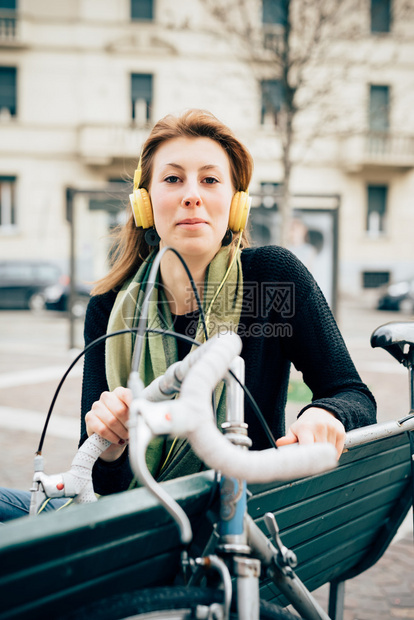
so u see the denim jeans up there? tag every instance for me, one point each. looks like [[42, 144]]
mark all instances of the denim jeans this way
[[15, 504]]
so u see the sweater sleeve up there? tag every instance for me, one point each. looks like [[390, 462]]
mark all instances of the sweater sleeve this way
[[318, 350], [115, 476]]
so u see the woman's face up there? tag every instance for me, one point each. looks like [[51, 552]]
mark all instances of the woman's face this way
[[191, 192]]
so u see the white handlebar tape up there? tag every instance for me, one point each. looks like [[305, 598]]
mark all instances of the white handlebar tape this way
[[169, 384], [215, 450], [78, 480], [286, 463]]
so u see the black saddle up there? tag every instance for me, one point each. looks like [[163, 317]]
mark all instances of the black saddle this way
[[397, 339]]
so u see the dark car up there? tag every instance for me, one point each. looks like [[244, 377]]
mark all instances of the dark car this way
[[56, 297], [22, 280], [397, 296]]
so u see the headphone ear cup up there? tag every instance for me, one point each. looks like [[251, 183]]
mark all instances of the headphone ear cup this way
[[239, 211], [142, 208]]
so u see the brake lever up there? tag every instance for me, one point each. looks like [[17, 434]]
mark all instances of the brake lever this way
[[140, 435], [76, 483]]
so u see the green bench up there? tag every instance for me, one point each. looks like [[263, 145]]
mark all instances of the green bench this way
[[341, 522], [338, 523]]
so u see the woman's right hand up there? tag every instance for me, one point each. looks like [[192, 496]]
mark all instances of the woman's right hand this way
[[108, 418]]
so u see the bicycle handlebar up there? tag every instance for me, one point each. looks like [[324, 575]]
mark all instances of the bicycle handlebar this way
[[169, 384], [77, 481], [191, 416]]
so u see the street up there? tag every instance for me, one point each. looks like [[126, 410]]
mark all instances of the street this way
[[34, 355]]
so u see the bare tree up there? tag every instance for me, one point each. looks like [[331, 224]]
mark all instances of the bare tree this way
[[303, 48]]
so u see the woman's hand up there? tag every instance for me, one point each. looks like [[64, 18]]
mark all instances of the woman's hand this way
[[314, 425], [108, 418]]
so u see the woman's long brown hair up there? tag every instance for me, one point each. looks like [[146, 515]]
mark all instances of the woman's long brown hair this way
[[130, 249]]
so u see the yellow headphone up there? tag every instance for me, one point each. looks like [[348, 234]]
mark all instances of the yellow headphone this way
[[143, 215]]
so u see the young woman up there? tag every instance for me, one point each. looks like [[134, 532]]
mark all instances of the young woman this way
[[194, 173], [190, 193]]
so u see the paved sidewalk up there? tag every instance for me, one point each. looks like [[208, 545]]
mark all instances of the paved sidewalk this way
[[383, 592], [33, 354]]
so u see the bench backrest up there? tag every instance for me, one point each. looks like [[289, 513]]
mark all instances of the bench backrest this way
[[338, 523]]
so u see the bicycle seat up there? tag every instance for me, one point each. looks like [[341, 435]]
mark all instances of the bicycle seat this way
[[393, 337]]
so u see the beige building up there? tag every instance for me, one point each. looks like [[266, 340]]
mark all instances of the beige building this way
[[81, 82]]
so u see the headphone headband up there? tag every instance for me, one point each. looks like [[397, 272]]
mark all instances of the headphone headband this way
[[137, 175]]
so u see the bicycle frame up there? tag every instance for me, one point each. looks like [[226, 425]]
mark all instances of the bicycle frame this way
[[241, 547]]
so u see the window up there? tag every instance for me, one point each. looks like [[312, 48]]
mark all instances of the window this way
[[275, 11], [7, 203], [142, 9], [378, 142], [113, 204], [7, 20], [8, 103], [141, 97], [274, 18], [377, 209], [379, 108], [272, 101], [8, 5], [264, 207], [374, 279], [270, 194], [380, 15]]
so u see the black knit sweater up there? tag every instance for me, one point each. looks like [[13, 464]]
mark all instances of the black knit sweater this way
[[285, 319]]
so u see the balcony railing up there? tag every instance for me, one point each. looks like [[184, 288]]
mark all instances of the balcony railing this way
[[389, 145], [385, 149], [101, 144], [9, 25]]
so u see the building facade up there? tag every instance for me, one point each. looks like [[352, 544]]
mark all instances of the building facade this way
[[82, 81]]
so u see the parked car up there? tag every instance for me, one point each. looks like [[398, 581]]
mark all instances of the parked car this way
[[397, 296], [56, 297], [22, 280]]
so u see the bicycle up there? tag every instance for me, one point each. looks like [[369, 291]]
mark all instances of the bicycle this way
[[191, 416], [231, 541], [242, 548]]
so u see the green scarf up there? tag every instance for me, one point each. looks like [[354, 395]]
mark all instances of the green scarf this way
[[159, 352]]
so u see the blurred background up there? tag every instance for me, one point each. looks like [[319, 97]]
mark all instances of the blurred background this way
[[321, 92]]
